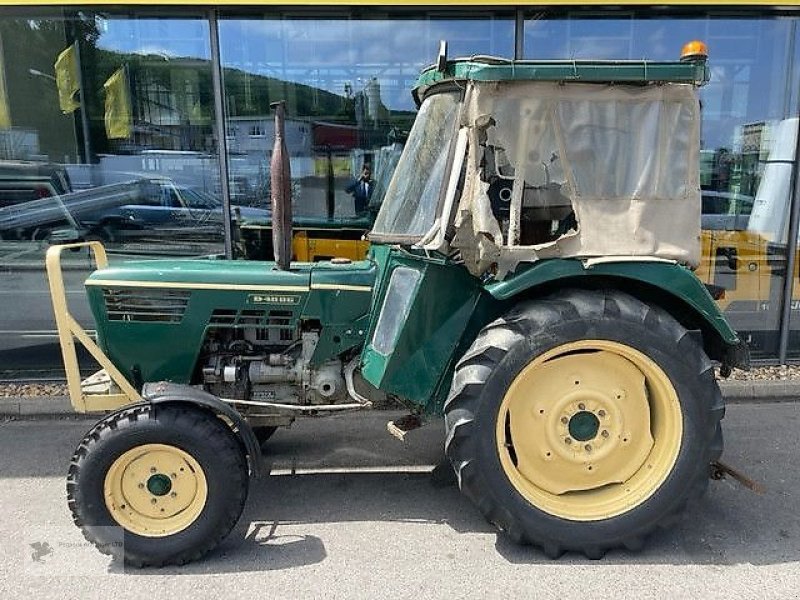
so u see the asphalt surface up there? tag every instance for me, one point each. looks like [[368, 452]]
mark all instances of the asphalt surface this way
[[351, 512]]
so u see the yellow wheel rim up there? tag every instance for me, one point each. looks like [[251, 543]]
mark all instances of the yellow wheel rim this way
[[589, 430], [155, 490]]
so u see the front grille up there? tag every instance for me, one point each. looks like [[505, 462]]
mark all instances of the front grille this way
[[145, 305]]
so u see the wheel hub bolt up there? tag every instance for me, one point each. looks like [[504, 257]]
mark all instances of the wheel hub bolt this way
[[173, 475], [152, 469], [567, 440], [173, 495], [588, 447], [604, 433], [581, 406], [141, 486], [153, 501], [564, 420], [601, 412]]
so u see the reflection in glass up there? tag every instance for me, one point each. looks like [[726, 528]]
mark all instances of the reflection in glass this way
[[346, 82], [747, 149], [115, 120], [105, 134]]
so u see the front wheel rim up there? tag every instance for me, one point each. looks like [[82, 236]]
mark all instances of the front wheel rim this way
[[155, 490], [589, 430]]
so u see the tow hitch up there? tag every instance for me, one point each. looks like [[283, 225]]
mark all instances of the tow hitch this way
[[719, 470]]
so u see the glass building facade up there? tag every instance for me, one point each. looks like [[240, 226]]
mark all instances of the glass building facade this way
[[137, 126]]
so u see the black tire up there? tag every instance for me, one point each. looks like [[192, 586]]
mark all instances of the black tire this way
[[264, 432], [197, 432], [500, 352], [105, 232]]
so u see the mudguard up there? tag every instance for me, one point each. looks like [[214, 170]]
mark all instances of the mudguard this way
[[164, 392], [670, 285]]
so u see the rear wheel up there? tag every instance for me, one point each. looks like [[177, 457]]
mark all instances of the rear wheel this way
[[583, 421], [173, 478]]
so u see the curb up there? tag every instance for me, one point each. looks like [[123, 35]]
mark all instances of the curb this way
[[35, 406], [734, 392]]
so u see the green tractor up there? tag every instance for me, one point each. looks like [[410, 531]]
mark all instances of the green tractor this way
[[529, 278]]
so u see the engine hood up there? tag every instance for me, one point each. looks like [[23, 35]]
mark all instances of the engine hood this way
[[236, 275], [203, 274]]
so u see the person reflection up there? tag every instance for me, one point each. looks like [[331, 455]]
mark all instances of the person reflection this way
[[361, 189]]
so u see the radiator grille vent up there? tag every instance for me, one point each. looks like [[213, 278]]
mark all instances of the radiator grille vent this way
[[273, 326], [223, 316], [145, 305]]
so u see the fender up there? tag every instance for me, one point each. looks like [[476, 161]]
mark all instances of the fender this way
[[665, 283], [164, 392]]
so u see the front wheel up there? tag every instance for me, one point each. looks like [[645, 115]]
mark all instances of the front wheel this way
[[583, 421], [171, 479]]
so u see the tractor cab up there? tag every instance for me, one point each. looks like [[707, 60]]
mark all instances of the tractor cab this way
[[515, 169], [515, 162]]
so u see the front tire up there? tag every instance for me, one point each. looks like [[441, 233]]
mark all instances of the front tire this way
[[583, 421], [173, 478]]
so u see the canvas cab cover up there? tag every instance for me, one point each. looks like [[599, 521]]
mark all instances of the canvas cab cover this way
[[578, 170]]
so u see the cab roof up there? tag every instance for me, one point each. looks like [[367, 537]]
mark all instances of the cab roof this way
[[491, 68]]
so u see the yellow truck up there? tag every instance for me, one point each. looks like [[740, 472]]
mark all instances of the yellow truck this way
[[744, 244]]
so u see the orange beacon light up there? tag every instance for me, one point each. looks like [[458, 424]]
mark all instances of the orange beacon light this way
[[694, 50]]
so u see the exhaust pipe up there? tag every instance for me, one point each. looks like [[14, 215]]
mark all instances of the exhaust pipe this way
[[280, 178]]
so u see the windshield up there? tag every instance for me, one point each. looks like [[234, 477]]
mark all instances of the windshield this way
[[409, 208]]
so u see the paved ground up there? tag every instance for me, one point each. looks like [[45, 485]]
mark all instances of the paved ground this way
[[340, 519]]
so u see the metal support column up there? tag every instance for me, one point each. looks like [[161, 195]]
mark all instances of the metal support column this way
[[87, 148], [791, 256], [519, 34], [219, 126], [794, 204]]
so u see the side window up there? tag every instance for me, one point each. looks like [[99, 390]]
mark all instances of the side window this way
[[149, 194], [171, 198]]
